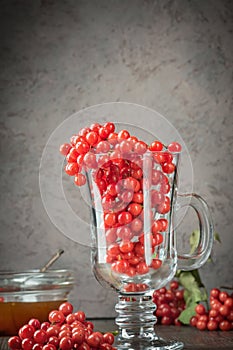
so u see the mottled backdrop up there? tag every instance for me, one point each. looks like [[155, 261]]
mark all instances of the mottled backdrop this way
[[58, 57]]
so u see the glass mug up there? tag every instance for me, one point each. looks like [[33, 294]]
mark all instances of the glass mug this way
[[133, 230]]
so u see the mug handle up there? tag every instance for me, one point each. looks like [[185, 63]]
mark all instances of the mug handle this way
[[193, 261]]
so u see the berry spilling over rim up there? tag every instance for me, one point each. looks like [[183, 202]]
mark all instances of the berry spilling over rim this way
[[83, 147]]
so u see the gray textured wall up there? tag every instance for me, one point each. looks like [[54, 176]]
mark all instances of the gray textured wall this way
[[60, 56]]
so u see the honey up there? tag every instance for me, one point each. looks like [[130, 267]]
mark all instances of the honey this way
[[13, 315]]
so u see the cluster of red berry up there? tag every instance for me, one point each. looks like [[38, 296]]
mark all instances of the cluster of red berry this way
[[116, 162], [64, 330], [81, 152], [220, 315], [170, 303]]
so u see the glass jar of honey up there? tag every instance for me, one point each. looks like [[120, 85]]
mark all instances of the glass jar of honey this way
[[31, 294]]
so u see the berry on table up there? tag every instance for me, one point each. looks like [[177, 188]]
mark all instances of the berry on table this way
[[169, 302], [70, 331], [220, 314]]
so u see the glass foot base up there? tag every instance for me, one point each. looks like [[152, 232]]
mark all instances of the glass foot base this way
[[157, 344], [136, 322]]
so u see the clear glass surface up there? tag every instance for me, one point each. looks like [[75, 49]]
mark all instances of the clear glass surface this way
[[134, 249]]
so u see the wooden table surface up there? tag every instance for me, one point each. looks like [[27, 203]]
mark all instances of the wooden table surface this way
[[191, 337]]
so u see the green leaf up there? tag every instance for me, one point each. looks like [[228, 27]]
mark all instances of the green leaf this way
[[205, 297], [190, 284], [187, 313], [194, 240], [197, 277], [187, 298], [217, 237], [115, 332], [194, 289], [193, 293]]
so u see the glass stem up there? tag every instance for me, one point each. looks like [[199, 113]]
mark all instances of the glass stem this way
[[136, 318]]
